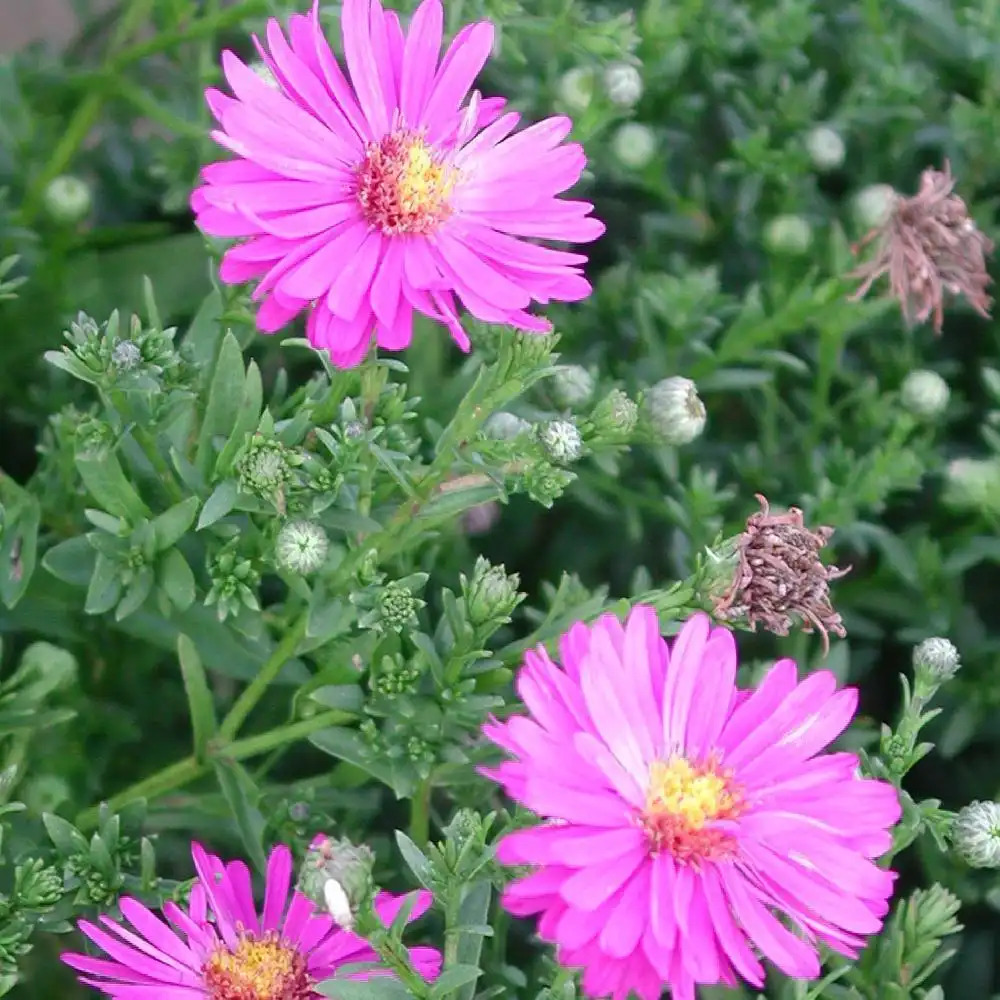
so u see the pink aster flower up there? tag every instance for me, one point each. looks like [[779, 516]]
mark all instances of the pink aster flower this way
[[693, 828], [367, 200], [221, 949]]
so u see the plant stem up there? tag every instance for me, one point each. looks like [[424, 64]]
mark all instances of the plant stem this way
[[282, 735], [420, 813], [181, 772], [256, 689]]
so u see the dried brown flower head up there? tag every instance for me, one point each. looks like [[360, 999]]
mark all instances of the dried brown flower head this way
[[929, 247], [779, 575]]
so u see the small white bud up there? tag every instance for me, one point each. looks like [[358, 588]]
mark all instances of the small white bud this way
[[937, 657], [572, 386], [873, 204], [925, 394], [504, 426], [674, 410], [301, 547], [976, 835], [337, 903], [576, 88], [623, 84], [634, 144], [68, 199], [826, 148], [561, 441], [788, 234]]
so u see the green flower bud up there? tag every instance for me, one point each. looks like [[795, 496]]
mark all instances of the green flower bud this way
[[871, 205], [788, 234], [561, 441], [976, 835], [491, 595], [37, 887], [126, 355], [545, 483], [572, 386], [235, 580], [615, 415], [925, 394], [504, 426], [392, 607], [674, 410], [623, 84], [936, 658], [301, 547], [576, 88], [826, 148], [337, 875], [68, 199], [634, 144], [264, 468], [973, 484]]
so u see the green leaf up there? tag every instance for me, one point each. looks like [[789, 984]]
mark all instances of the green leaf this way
[[451, 503], [204, 724], [65, 837], [246, 420], [415, 859], [71, 364], [136, 594], [225, 395], [204, 333], [242, 796], [177, 580], [376, 988], [71, 561], [107, 483], [20, 515], [348, 697], [219, 504], [170, 526], [454, 978], [105, 586], [473, 914], [346, 745]]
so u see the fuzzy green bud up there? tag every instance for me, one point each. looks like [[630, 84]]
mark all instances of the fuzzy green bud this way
[[925, 394], [545, 483], [126, 355], [576, 88], [68, 199], [572, 386], [871, 205], [301, 547], [491, 595], [264, 468], [973, 484], [393, 606], [634, 144], [504, 426], [337, 875], [790, 235], [937, 659], [976, 835], [561, 441], [826, 148], [615, 415], [674, 410], [623, 84]]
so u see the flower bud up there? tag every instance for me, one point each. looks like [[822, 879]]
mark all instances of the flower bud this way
[[576, 88], [674, 411], [788, 234], [504, 426], [634, 144], [301, 547], [615, 415], [973, 484], [572, 386], [337, 876], [937, 658], [872, 205], [623, 84], [925, 394], [826, 148], [126, 355], [976, 835], [561, 441], [395, 606], [68, 199], [491, 595], [264, 467]]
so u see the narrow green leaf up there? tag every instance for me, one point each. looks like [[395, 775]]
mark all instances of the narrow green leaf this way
[[170, 526], [242, 796], [473, 912], [107, 483], [65, 837], [246, 420], [71, 364], [376, 988], [105, 587], [136, 594], [204, 333], [177, 580], [453, 979], [18, 540], [415, 859], [204, 724], [225, 394], [71, 561], [348, 697], [219, 504]]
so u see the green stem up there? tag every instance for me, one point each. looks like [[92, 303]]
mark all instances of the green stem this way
[[256, 689], [282, 735], [182, 772], [420, 813], [85, 116]]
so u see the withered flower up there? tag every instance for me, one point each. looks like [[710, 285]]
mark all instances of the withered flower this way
[[779, 576], [929, 247]]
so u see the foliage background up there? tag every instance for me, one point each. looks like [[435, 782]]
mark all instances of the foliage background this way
[[801, 387]]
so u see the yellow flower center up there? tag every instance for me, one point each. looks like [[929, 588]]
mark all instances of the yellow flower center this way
[[258, 968], [682, 801], [403, 187]]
